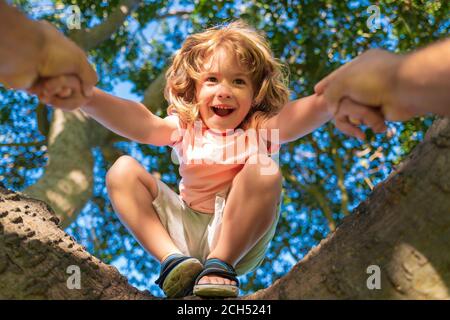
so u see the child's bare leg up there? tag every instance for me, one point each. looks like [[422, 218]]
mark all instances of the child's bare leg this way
[[250, 210], [132, 190]]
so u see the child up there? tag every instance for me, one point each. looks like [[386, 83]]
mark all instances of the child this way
[[222, 222]]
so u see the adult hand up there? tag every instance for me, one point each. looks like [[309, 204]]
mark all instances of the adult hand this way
[[370, 80], [30, 50], [351, 115], [61, 56]]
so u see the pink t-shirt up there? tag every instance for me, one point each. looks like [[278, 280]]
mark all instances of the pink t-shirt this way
[[210, 160]]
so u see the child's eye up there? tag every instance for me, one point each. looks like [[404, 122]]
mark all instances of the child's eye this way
[[211, 79], [241, 81]]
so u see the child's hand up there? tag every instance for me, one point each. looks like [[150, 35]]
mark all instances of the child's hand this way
[[350, 115], [63, 92]]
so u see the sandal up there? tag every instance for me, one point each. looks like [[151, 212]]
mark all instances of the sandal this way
[[217, 267], [178, 273]]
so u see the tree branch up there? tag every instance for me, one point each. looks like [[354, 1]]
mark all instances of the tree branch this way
[[317, 192], [339, 173], [42, 119], [154, 95], [91, 38]]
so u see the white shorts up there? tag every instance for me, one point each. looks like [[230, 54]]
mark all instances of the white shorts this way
[[195, 233]]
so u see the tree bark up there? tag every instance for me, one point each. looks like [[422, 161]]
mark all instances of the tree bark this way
[[402, 227], [35, 256]]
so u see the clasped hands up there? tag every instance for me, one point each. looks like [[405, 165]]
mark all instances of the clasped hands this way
[[57, 71], [365, 91], [62, 92], [362, 92]]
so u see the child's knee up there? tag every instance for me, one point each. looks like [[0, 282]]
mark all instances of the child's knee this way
[[266, 170], [121, 171]]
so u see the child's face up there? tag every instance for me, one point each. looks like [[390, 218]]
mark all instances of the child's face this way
[[223, 82]]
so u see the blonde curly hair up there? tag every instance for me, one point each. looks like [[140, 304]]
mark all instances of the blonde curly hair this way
[[269, 76]]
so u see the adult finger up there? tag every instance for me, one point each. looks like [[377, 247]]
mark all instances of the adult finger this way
[[75, 101], [65, 93], [85, 73], [56, 84], [320, 87], [334, 78], [349, 129], [67, 104], [88, 78], [53, 86], [370, 116]]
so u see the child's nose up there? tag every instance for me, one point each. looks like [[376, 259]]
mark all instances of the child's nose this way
[[224, 95], [224, 92]]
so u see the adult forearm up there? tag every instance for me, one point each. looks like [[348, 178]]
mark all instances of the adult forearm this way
[[126, 118], [424, 79]]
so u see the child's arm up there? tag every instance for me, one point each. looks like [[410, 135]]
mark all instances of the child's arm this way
[[126, 118], [129, 119], [299, 117], [302, 116]]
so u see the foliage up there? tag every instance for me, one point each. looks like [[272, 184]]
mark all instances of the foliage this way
[[326, 173]]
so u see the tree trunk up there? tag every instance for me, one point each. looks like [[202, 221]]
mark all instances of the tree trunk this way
[[67, 182], [403, 228]]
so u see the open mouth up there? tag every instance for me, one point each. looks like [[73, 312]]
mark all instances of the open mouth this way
[[222, 112]]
